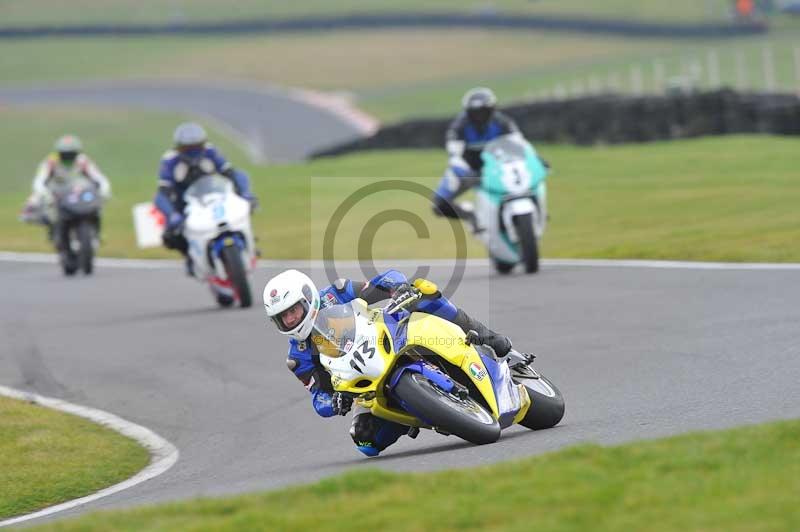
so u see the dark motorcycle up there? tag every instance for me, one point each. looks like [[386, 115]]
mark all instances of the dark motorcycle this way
[[77, 225]]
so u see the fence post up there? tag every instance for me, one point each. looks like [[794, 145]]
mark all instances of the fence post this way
[[658, 75], [595, 87], [741, 71], [797, 68], [613, 82], [768, 63], [577, 89], [713, 69], [636, 80]]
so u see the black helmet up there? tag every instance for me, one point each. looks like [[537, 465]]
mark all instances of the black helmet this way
[[479, 104]]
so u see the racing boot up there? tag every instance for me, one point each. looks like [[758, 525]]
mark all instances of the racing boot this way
[[466, 211], [483, 335], [189, 264]]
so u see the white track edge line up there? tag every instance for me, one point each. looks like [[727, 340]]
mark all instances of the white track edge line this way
[[162, 264], [163, 454]]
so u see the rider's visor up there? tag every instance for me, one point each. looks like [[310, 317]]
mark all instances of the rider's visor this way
[[67, 157], [192, 152], [480, 115], [291, 317]]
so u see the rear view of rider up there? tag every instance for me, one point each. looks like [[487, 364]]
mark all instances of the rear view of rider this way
[[478, 124], [292, 302], [65, 164], [191, 158]]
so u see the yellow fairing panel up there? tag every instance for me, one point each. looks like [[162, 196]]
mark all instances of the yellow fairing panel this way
[[446, 339]]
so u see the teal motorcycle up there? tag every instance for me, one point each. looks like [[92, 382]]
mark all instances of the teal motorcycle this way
[[511, 203]]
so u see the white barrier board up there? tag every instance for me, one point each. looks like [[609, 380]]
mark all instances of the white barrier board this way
[[149, 225]]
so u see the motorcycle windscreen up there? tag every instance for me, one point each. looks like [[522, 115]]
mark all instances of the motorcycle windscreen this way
[[335, 330], [212, 185]]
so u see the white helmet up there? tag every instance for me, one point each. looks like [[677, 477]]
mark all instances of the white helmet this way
[[284, 291], [189, 134]]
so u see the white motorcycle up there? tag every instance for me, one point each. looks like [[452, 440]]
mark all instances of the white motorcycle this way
[[511, 203], [221, 244]]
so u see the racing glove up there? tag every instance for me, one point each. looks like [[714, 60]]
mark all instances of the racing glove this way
[[341, 403], [254, 203], [174, 222]]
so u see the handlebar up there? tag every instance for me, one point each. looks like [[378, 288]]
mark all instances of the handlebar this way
[[403, 300]]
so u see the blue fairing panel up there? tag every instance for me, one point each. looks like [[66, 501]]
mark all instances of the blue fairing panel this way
[[505, 390], [397, 330]]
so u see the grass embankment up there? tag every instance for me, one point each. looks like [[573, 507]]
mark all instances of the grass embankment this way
[[396, 74], [48, 457], [40, 12], [727, 198], [741, 479]]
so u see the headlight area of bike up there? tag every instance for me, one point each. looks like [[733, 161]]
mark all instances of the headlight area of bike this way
[[345, 337]]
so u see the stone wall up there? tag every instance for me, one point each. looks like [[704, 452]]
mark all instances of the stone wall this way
[[613, 119]]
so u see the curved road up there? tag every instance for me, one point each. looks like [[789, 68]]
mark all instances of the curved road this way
[[272, 124], [638, 353]]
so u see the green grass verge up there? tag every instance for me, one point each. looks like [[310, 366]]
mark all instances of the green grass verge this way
[[726, 198], [48, 457], [742, 479], [34, 12], [425, 76]]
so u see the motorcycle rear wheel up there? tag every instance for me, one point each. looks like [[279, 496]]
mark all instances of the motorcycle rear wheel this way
[[465, 418], [502, 267]]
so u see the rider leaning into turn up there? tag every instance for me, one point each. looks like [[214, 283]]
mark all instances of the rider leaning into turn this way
[[478, 124], [66, 163], [191, 158], [292, 302]]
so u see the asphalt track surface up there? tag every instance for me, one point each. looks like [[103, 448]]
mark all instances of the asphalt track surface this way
[[272, 124], [638, 352]]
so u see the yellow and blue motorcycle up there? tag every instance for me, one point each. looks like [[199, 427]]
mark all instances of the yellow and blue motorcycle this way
[[423, 371]]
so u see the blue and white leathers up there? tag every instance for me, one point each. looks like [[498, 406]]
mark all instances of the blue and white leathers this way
[[370, 434], [178, 170]]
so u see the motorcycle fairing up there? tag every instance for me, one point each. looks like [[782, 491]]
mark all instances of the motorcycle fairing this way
[[511, 399], [450, 345]]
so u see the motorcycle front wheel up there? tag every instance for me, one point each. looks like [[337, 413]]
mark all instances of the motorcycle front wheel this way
[[85, 232], [237, 275], [529, 247], [465, 418], [547, 403]]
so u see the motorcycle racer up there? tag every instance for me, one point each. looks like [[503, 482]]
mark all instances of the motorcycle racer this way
[[67, 162], [192, 157], [292, 301], [476, 125]]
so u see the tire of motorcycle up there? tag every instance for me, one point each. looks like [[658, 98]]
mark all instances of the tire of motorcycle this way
[[529, 248], [547, 404], [502, 267], [224, 301], [232, 258], [466, 419], [85, 231], [69, 262]]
